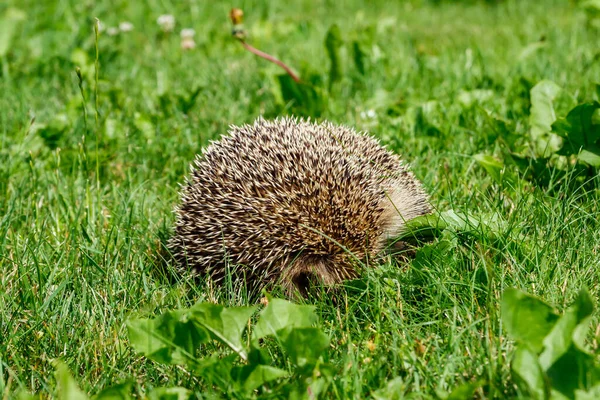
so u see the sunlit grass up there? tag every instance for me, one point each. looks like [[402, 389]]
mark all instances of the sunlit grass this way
[[84, 206]]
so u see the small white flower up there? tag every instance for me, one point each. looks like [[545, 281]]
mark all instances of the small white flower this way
[[100, 25], [187, 33], [369, 114], [166, 22], [188, 43], [125, 26], [112, 31]]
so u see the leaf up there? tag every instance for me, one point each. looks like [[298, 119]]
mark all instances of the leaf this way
[[530, 49], [536, 169], [121, 391], [465, 391], [591, 394], [574, 370], [564, 366], [528, 374], [433, 225], [469, 98], [547, 100], [170, 338], [171, 393], [188, 100], [592, 7], [527, 319], [422, 123], [254, 376], [304, 346], [358, 55], [225, 324], [144, 125], [579, 128], [493, 167], [393, 390], [281, 314], [24, 395], [53, 133], [592, 157], [9, 22], [216, 369], [570, 328], [333, 42], [303, 98], [67, 388]]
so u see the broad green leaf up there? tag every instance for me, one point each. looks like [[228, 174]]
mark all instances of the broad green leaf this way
[[281, 314], [303, 98], [171, 393], [171, 338], [144, 125], [548, 101], [423, 120], [251, 377], [570, 328], [393, 390], [563, 366], [574, 370], [465, 391], [333, 42], [188, 100], [304, 346], [24, 395], [216, 369], [121, 391], [67, 388], [259, 355], [527, 319], [9, 22], [591, 156], [433, 225], [469, 98], [493, 167], [225, 324], [528, 374], [591, 394], [429, 225], [592, 7], [580, 129], [530, 49], [318, 386], [359, 57]]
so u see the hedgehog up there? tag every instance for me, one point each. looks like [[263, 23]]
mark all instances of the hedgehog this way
[[292, 202]]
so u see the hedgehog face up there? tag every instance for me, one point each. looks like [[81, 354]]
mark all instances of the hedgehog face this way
[[293, 202]]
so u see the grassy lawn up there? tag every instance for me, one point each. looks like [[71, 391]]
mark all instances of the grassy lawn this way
[[90, 168]]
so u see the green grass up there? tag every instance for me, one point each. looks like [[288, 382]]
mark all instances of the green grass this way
[[84, 205]]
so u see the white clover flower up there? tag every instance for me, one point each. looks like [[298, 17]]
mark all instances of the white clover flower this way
[[100, 25], [166, 22], [369, 114], [188, 43], [125, 26], [187, 33], [112, 31]]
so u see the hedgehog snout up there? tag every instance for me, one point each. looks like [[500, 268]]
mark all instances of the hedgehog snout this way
[[308, 271]]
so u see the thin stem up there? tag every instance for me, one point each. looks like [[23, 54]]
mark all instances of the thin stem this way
[[96, 78], [272, 59], [81, 91], [96, 67]]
